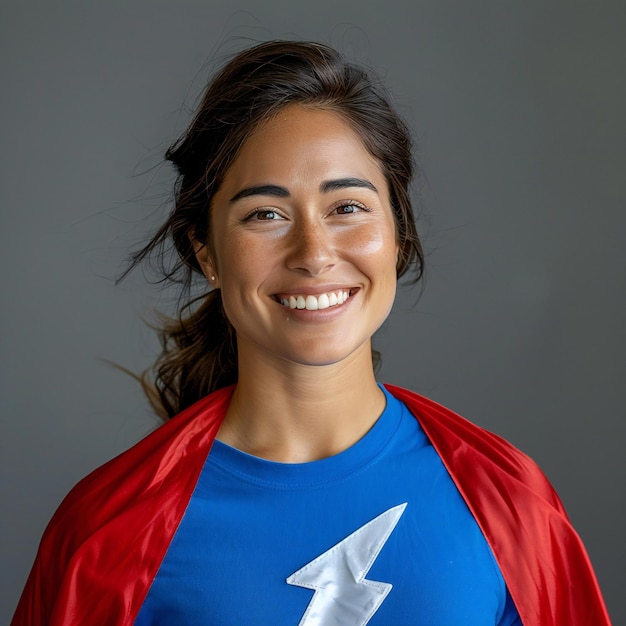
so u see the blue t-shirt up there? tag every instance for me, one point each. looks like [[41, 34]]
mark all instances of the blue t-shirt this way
[[377, 535]]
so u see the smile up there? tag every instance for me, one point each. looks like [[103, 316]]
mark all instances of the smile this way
[[315, 303]]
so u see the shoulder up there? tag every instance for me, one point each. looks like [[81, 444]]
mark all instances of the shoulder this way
[[95, 544], [142, 469], [466, 448], [520, 515]]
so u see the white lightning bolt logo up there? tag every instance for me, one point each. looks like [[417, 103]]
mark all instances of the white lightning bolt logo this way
[[343, 597]]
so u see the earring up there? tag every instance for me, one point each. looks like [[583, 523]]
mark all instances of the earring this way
[[212, 278]]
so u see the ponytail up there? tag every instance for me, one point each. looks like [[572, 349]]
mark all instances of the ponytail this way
[[198, 356]]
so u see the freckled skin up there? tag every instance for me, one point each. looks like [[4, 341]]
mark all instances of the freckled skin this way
[[312, 240]]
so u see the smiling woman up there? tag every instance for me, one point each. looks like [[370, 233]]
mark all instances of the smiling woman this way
[[290, 487], [299, 217]]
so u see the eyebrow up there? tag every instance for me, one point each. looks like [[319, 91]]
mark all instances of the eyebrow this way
[[282, 192], [343, 183], [261, 190]]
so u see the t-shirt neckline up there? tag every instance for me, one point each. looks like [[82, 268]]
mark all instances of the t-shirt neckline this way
[[293, 475]]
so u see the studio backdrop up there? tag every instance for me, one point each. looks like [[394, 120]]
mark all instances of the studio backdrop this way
[[518, 113]]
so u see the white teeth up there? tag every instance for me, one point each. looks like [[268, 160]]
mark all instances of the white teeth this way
[[313, 303]]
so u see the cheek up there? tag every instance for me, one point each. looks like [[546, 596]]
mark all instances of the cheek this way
[[244, 270], [377, 245], [239, 262]]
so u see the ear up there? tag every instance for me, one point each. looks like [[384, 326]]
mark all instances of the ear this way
[[204, 258]]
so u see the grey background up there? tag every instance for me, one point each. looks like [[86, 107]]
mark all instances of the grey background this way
[[519, 110]]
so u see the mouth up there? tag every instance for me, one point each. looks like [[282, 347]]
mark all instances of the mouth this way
[[314, 302]]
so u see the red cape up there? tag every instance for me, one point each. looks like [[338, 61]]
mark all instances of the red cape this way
[[104, 545]]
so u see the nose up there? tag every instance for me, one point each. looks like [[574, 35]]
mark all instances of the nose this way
[[312, 248]]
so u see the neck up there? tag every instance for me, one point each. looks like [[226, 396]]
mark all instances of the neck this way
[[294, 413]]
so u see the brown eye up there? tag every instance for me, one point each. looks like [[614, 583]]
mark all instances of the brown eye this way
[[266, 215], [350, 207]]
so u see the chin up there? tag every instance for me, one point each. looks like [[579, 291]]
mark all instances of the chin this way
[[324, 355]]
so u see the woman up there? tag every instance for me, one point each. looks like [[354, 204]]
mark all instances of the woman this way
[[290, 487]]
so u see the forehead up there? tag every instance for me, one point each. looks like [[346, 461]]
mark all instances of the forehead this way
[[302, 145]]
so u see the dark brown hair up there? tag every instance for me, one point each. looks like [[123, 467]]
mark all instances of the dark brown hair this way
[[199, 347]]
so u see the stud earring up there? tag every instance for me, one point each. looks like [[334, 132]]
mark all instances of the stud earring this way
[[212, 277]]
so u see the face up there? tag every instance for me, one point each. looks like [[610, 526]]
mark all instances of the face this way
[[303, 242]]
